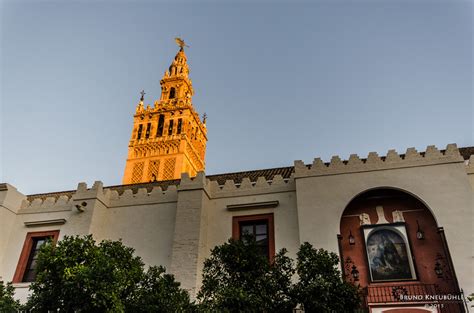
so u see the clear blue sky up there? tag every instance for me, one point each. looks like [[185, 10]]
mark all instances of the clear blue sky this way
[[279, 81]]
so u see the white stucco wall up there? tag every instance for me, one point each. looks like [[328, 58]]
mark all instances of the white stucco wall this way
[[178, 227], [285, 219], [443, 188]]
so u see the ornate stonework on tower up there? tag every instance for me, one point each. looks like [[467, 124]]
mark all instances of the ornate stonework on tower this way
[[169, 138]]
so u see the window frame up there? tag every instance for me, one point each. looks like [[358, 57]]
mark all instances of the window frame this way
[[236, 220], [26, 252]]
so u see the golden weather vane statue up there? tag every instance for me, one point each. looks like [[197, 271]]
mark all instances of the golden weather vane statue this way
[[180, 43]]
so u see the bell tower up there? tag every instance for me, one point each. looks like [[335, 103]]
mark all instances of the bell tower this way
[[169, 138]]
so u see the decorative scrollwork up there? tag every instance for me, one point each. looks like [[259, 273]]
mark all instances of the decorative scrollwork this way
[[399, 292]]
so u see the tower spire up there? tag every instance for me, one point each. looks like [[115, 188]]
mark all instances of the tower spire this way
[[170, 138], [176, 86]]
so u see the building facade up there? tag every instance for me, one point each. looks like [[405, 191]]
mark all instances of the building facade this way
[[401, 223]]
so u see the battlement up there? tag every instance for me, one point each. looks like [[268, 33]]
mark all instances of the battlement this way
[[48, 204], [143, 196], [374, 162], [247, 187], [246, 183], [125, 195]]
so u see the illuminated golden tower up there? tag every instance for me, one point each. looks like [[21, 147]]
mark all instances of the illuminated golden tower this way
[[170, 138]]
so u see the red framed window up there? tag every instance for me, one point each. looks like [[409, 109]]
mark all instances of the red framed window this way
[[26, 268], [261, 227]]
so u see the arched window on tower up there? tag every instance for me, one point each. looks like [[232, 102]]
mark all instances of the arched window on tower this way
[[170, 128], [161, 123], [148, 128], [180, 125], [140, 129], [172, 93]]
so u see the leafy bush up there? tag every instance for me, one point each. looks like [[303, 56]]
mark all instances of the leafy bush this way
[[7, 303], [238, 278], [79, 275], [320, 287]]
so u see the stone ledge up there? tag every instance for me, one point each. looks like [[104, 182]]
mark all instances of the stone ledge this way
[[59, 221], [252, 205]]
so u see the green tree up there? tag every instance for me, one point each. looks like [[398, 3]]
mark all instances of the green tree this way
[[7, 303], [238, 278], [79, 275], [159, 292], [320, 287]]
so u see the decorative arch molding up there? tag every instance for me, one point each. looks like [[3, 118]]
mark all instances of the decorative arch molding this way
[[389, 187]]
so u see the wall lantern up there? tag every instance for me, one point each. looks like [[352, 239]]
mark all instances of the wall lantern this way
[[420, 235], [355, 273], [438, 269], [351, 239]]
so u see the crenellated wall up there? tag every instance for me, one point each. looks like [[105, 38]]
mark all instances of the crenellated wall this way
[[373, 162], [437, 179], [246, 187], [177, 223]]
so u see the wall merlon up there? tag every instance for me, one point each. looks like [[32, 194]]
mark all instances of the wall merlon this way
[[261, 182], [278, 181], [95, 192], [142, 192], [98, 186], [374, 162], [82, 187], [432, 152], [354, 160], [10, 198], [373, 158], [336, 162], [198, 182], [229, 185], [452, 150], [392, 157], [299, 165], [245, 184], [317, 164], [412, 154]]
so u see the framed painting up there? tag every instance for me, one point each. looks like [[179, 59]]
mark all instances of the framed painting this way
[[388, 253]]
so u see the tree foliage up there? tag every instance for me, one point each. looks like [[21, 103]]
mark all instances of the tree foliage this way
[[7, 303], [320, 287], [79, 275], [238, 278], [159, 292]]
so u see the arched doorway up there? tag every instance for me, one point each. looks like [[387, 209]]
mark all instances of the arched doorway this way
[[392, 247]]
